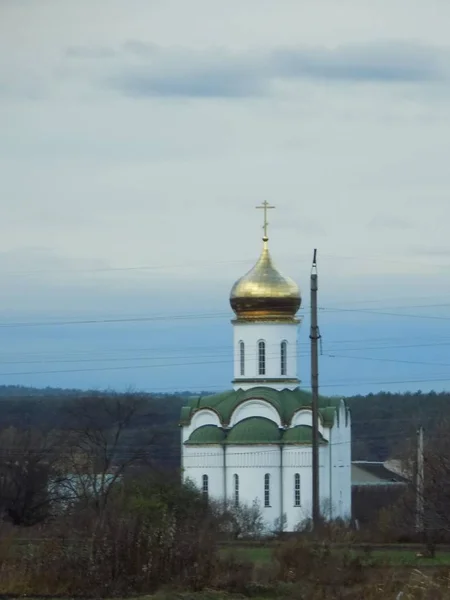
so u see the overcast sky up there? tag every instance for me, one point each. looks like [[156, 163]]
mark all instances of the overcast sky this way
[[137, 136]]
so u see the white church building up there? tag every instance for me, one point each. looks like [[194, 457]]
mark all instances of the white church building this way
[[254, 442]]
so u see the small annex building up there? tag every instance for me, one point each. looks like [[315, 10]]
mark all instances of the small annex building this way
[[254, 442]]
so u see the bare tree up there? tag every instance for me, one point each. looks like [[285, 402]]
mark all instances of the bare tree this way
[[30, 475], [432, 495], [99, 449]]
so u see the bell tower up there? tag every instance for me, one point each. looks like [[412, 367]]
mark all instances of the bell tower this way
[[265, 327]]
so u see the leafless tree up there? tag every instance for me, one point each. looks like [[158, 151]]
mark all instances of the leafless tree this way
[[30, 475], [432, 524], [99, 450]]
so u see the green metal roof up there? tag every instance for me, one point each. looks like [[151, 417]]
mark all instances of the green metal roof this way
[[208, 434], [301, 434], [254, 430], [286, 402]]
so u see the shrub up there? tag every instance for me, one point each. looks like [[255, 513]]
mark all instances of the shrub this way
[[147, 537], [302, 560]]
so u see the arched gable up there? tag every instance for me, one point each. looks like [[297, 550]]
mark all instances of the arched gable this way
[[304, 417], [204, 417], [255, 407]]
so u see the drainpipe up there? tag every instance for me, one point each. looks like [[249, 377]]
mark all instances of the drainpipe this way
[[182, 453], [281, 485], [224, 475], [331, 472]]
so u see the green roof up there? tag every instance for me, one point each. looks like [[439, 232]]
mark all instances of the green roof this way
[[286, 402], [301, 434], [254, 430], [208, 434]]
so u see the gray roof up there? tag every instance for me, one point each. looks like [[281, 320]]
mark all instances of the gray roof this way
[[365, 473]]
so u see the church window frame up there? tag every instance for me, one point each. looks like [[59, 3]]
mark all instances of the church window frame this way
[[261, 357], [236, 489], [297, 490], [241, 358], [267, 490], [205, 486], [283, 357]]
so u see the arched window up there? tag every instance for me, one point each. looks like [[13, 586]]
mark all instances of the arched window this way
[[261, 358], [242, 357], [236, 489], [267, 489], [205, 486], [283, 357], [297, 497]]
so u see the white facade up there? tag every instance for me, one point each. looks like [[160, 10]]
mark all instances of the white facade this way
[[288, 466], [274, 364], [254, 442]]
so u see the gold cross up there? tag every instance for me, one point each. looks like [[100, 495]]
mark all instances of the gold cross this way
[[265, 206]]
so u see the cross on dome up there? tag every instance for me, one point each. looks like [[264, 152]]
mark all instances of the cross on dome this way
[[265, 206]]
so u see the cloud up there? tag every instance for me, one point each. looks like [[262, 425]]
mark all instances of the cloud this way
[[431, 251], [386, 221], [145, 70]]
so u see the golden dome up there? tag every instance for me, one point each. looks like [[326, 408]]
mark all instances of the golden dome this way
[[264, 294]]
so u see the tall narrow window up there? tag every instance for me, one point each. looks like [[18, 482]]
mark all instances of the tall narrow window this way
[[297, 497], [261, 358], [267, 489], [205, 486], [283, 358], [242, 357], [236, 489]]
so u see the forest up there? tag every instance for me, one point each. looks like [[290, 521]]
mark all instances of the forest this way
[[381, 423], [91, 503]]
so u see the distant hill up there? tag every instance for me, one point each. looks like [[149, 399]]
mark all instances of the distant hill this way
[[382, 422]]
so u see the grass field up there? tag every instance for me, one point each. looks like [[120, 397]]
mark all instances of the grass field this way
[[392, 557]]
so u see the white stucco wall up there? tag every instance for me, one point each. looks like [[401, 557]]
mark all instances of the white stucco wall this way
[[340, 460], [251, 463], [205, 460], [272, 334]]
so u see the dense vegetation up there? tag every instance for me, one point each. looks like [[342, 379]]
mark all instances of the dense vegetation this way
[[381, 422], [91, 503]]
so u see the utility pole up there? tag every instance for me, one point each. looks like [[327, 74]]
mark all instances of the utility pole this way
[[419, 481], [314, 336]]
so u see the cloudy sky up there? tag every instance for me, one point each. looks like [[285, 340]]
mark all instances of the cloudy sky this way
[[137, 136]]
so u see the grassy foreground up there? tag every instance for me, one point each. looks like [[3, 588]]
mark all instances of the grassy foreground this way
[[393, 557]]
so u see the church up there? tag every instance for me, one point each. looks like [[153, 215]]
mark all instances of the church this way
[[254, 442]]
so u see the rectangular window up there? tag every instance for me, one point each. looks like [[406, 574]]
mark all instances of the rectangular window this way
[[267, 489], [261, 358], [236, 490], [297, 497]]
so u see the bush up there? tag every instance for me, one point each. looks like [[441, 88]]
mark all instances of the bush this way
[[302, 560], [148, 536]]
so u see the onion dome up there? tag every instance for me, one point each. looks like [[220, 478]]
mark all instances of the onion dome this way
[[264, 293]]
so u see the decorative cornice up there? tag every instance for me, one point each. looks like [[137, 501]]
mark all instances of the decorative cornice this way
[[262, 381], [266, 320]]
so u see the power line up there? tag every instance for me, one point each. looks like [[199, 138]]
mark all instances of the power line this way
[[224, 351], [384, 313], [407, 362], [212, 315], [206, 263]]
